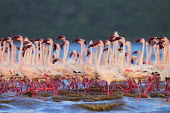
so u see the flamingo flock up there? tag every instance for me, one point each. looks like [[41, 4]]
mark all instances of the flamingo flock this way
[[36, 65]]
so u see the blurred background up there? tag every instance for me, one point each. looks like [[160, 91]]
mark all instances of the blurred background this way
[[87, 19]]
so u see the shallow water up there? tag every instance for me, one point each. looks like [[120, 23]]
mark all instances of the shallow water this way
[[23, 104], [46, 105]]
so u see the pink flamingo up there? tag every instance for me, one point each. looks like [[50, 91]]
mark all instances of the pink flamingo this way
[[105, 72]]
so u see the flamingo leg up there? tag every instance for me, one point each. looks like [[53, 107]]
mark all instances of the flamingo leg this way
[[139, 93], [108, 87], [166, 91], [148, 87]]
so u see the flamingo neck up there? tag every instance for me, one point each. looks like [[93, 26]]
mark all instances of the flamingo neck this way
[[37, 54], [96, 56], [8, 53], [129, 54], [150, 54], [45, 54], [34, 56], [30, 56], [41, 55], [49, 59], [82, 53], [12, 52], [3, 52], [123, 53], [100, 56], [66, 48], [20, 52], [165, 56], [147, 54], [142, 53], [156, 55], [116, 53]]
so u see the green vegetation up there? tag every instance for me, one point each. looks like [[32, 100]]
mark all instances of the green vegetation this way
[[88, 19]]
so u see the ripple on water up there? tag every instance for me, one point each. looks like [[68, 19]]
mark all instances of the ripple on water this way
[[130, 104]]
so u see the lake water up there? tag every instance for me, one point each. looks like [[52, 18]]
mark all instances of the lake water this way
[[22, 104]]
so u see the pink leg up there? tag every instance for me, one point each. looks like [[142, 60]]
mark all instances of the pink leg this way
[[166, 91], [139, 94], [148, 87]]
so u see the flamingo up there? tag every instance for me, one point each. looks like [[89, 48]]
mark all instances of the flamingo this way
[[61, 66], [38, 61], [44, 68], [6, 70], [152, 68], [83, 46], [106, 73], [132, 71], [29, 71]]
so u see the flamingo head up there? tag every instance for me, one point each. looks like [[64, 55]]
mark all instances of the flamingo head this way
[[133, 59], [91, 45], [9, 39], [112, 37], [39, 40], [25, 48], [44, 41], [49, 41], [88, 53], [18, 37], [136, 52], [74, 52], [64, 43], [58, 46], [25, 39], [118, 38], [107, 42], [61, 37], [120, 49], [127, 43], [27, 42], [162, 38], [140, 40], [99, 43], [33, 40], [55, 46], [150, 42], [106, 49], [154, 39], [18, 48], [57, 60], [121, 45], [115, 38], [161, 46], [79, 40], [4, 39], [161, 42]]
